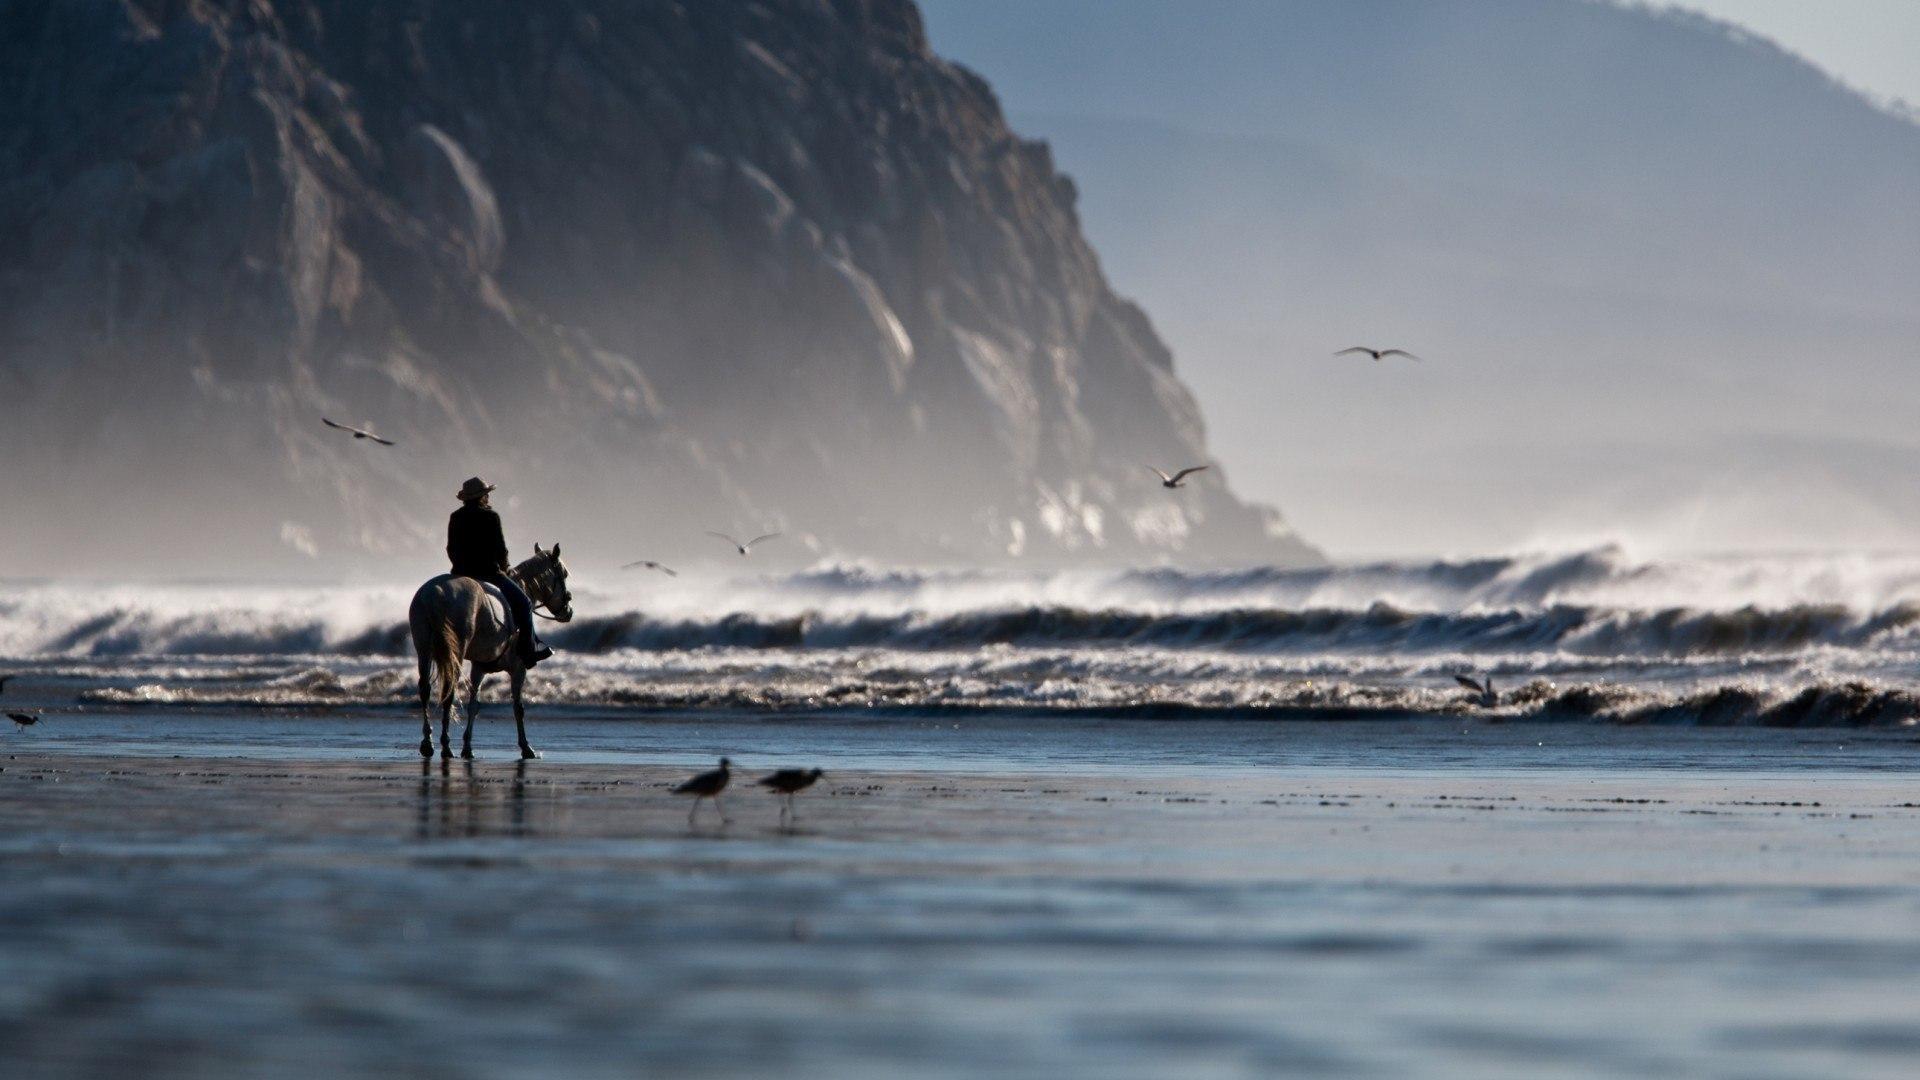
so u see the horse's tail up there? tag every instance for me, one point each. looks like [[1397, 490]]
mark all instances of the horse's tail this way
[[437, 643], [446, 653]]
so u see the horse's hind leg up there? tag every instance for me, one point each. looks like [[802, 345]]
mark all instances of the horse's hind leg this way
[[426, 698], [447, 700], [473, 714], [518, 678]]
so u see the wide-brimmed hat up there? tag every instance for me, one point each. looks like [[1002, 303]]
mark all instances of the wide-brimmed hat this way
[[474, 488]]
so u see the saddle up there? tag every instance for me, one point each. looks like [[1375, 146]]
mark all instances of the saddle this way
[[502, 610]]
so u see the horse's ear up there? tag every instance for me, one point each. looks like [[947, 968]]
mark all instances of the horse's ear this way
[[537, 552], [556, 549]]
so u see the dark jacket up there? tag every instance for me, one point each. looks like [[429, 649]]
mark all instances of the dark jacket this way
[[475, 542]]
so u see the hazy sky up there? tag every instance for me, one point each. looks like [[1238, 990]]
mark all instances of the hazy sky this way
[[1664, 278], [1873, 45]]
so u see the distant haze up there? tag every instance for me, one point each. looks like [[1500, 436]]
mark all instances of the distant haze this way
[[1663, 271], [1869, 44]]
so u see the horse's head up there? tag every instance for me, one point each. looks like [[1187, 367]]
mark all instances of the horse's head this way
[[545, 579]]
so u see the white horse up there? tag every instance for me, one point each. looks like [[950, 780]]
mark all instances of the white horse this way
[[457, 620]]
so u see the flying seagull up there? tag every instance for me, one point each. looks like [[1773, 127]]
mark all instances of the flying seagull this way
[[25, 721], [708, 785], [1174, 481], [1377, 354], [737, 545], [1489, 697], [788, 783], [357, 433], [651, 565]]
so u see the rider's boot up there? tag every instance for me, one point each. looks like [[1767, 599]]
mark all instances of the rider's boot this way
[[531, 651]]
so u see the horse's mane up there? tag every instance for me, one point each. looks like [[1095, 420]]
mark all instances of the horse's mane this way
[[527, 571]]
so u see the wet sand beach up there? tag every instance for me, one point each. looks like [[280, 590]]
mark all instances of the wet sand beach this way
[[226, 916]]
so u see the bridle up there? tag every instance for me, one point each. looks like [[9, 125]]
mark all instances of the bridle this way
[[543, 578]]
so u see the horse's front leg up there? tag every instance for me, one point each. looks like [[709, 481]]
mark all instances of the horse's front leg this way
[[518, 677], [473, 713]]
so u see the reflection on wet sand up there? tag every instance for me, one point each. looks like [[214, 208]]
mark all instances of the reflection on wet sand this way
[[467, 800]]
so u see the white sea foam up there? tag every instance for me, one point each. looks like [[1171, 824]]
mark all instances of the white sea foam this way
[[1597, 633]]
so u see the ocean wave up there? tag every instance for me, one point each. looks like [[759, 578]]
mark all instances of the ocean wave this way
[[1818, 704], [1606, 576], [1590, 604], [1850, 704], [1379, 629], [1592, 636]]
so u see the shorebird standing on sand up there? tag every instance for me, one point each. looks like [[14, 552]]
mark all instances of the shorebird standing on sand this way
[[788, 783], [737, 545], [1377, 354], [1489, 697], [25, 721], [708, 785], [358, 433], [1174, 481]]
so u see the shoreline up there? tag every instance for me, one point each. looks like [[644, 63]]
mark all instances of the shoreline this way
[[1231, 750], [85, 794]]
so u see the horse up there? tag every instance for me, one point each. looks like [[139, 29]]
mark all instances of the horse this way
[[456, 620]]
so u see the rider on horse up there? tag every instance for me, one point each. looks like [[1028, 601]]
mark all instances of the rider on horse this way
[[478, 547]]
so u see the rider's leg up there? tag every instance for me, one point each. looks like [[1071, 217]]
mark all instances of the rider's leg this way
[[528, 645]]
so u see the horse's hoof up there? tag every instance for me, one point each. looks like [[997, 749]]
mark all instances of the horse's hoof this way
[[426, 748], [467, 753], [528, 753]]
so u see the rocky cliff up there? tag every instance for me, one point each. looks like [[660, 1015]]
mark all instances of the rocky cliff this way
[[653, 267]]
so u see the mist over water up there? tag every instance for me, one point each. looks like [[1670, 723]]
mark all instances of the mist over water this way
[[1649, 294]]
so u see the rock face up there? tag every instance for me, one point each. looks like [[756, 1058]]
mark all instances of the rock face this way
[[652, 267]]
